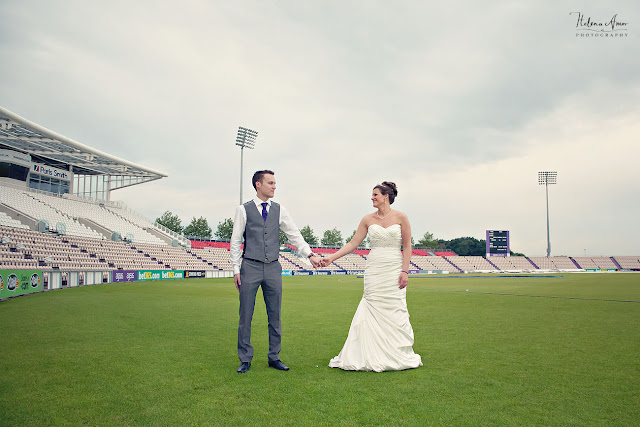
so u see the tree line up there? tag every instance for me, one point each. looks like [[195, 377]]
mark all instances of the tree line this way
[[199, 229]]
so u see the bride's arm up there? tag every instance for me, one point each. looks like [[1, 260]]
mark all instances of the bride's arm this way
[[352, 245], [403, 280]]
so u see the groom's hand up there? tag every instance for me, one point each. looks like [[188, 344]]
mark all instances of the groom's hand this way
[[236, 279], [315, 261]]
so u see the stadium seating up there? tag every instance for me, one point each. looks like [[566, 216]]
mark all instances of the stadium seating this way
[[82, 248], [602, 263], [554, 263], [69, 210], [110, 218], [471, 263], [513, 263], [433, 263], [7, 221], [31, 249], [217, 258], [424, 263], [29, 204], [628, 262], [351, 261]]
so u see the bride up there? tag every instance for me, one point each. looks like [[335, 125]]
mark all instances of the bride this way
[[381, 337]]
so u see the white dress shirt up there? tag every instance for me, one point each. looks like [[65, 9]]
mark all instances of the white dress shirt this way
[[286, 225]]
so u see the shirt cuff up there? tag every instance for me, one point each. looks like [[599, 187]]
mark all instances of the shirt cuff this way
[[305, 251]]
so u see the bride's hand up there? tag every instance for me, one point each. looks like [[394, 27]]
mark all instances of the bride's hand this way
[[403, 280]]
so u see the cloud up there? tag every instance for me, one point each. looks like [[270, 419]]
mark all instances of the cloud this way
[[461, 104]]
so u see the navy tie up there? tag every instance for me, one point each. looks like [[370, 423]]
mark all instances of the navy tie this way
[[264, 211]]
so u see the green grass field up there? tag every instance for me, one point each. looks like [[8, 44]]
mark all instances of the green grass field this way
[[164, 353]]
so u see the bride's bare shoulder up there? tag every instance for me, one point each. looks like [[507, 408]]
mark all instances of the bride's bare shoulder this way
[[402, 217], [368, 219]]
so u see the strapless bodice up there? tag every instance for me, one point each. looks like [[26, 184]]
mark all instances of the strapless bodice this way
[[380, 237]]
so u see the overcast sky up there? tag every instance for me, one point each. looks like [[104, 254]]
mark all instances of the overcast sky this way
[[460, 103]]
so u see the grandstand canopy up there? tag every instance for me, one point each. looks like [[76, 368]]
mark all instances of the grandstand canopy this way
[[18, 133]]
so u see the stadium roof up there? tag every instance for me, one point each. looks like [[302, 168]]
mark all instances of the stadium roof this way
[[18, 133]]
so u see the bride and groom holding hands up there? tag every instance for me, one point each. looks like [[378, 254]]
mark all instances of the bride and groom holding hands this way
[[380, 337]]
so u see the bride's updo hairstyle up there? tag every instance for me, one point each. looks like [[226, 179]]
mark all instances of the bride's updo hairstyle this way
[[388, 188]]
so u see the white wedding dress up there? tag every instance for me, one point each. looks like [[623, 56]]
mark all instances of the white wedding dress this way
[[380, 337]]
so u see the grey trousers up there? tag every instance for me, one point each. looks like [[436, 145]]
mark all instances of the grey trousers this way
[[254, 274]]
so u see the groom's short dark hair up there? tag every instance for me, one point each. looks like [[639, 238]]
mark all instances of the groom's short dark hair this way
[[257, 177]]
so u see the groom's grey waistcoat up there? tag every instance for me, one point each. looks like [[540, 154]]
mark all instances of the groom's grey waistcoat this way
[[262, 238]]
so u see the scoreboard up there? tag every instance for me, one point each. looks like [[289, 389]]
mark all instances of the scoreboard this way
[[498, 243]]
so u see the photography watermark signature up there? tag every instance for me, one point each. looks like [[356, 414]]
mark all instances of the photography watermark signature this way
[[589, 27]]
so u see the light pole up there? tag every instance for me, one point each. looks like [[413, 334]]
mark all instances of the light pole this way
[[546, 178], [245, 138]]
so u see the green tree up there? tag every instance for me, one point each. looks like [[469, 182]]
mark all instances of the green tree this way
[[225, 229], [364, 243], [283, 238], [198, 229], [427, 241], [309, 237], [171, 221], [467, 246], [332, 238]]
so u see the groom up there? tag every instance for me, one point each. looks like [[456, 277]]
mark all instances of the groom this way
[[259, 221]]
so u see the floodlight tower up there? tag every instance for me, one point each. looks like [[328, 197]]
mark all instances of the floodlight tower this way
[[547, 178], [245, 138]]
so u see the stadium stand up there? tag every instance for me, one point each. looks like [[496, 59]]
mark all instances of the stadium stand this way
[[602, 263], [554, 263], [512, 263], [422, 262], [56, 215], [471, 263], [33, 249], [31, 207], [217, 258], [444, 264], [108, 218], [173, 258], [628, 262], [7, 221], [292, 262], [351, 261]]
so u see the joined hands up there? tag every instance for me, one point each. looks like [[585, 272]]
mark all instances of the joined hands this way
[[316, 261], [325, 262], [319, 262]]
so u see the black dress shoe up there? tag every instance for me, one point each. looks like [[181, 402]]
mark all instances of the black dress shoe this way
[[244, 367], [278, 365]]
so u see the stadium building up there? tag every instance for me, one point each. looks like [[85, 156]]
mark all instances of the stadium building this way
[[59, 226]]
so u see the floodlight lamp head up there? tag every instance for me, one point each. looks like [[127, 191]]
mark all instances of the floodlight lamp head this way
[[246, 137], [545, 178]]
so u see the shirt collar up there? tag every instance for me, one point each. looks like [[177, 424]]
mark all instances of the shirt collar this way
[[259, 202]]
